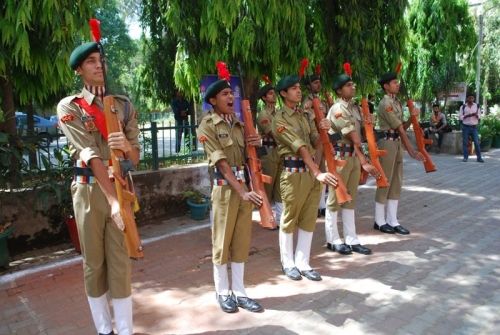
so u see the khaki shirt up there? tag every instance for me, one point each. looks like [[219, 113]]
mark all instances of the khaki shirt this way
[[85, 140], [265, 119], [294, 129], [345, 118], [390, 113], [308, 107], [222, 141]]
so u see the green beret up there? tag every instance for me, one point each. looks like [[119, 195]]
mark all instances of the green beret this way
[[309, 79], [286, 82], [387, 77], [215, 88], [263, 90], [81, 52], [340, 81]]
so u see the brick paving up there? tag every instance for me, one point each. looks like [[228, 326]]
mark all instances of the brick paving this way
[[441, 279]]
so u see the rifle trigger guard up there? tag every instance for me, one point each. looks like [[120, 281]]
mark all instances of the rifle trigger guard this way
[[126, 166]]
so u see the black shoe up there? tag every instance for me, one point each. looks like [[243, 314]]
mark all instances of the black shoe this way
[[311, 275], [227, 304], [385, 228], [464, 160], [342, 249], [108, 333], [248, 304], [480, 160], [321, 212], [401, 230], [360, 249], [292, 273]]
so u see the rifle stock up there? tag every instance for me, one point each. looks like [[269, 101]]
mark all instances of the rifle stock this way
[[374, 151], [123, 186], [257, 177], [341, 192], [420, 139]]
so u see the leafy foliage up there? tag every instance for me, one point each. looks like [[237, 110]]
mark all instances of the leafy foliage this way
[[440, 46], [270, 37]]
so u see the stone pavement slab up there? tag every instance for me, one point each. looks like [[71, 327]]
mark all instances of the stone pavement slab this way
[[441, 279]]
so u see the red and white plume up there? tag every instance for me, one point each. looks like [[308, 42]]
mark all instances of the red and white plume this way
[[95, 29], [398, 67], [266, 79], [347, 69], [317, 70], [223, 71], [304, 63]]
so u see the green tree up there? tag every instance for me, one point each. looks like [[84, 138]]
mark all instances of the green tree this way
[[35, 48], [490, 54], [271, 37], [440, 46]]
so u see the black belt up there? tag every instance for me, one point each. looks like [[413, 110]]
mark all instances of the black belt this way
[[269, 143], [83, 171], [346, 149], [292, 163], [389, 135]]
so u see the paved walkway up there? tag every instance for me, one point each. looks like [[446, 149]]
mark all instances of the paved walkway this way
[[441, 279]]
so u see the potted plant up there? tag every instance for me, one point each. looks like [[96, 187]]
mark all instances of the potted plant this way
[[486, 133], [198, 204]]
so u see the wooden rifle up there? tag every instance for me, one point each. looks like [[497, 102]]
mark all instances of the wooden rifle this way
[[341, 192], [257, 178], [374, 151], [121, 166], [420, 139]]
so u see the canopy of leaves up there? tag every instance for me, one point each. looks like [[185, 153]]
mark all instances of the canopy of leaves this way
[[270, 37], [36, 44], [440, 46]]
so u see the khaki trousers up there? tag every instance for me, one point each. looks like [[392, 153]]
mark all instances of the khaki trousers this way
[[392, 164]]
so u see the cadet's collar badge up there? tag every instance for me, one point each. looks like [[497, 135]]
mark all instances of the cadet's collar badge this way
[[281, 129]]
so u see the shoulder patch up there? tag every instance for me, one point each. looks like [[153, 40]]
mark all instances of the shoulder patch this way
[[202, 139], [67, 118], [389, 109], [264, 121], [281, 129]]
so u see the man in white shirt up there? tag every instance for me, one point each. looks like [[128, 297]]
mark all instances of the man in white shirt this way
[[469, 114]]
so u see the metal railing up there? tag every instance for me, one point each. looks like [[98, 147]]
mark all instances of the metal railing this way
[[164, 144]]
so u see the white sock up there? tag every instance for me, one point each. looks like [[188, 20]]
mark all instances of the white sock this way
[[303, 250], [99, 308], [237, 275], [331, 229], [221, 279], [286, 249], [392, 212], [123, 315], [278, 208], [348, 220], [322, 200], [380, 213]]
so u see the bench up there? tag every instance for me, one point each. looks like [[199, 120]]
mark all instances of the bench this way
[[452, 142]]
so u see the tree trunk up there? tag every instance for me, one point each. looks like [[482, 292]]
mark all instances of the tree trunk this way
[[31, 134], [8, 107], [9, 127]]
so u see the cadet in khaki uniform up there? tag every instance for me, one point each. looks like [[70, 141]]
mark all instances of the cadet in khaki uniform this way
[[297, 138], [222, 137], [390, 114], [346, 121], [313, 83], [270, 159], [107, 268]]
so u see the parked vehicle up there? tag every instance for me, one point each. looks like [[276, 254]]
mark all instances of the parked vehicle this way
[[43, 126]]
